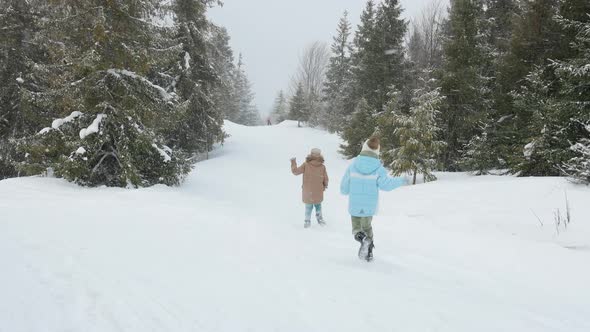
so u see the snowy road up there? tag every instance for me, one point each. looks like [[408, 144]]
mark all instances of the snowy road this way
[[227, 252]]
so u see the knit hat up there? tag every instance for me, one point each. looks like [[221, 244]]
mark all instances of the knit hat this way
[[316, 152], [372, 142]]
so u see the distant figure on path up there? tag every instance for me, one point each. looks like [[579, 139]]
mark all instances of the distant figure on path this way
[[361, 182], [268, 122], [315, 182]]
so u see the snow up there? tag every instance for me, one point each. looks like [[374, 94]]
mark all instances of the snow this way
[[227, 251], [81, 151], [163, 152], [93, 128], [187, 60], [529, 149], [20, 80], [163, 93], [57, 123]]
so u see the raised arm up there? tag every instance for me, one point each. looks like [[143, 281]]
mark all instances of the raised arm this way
[[297, 170], [386, 182]]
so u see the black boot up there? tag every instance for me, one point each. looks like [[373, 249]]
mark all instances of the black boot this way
[[370, 252], [320, 219], [366, 244], [359, 236]]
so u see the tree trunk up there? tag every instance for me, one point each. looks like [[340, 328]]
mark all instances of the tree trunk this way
[[415, 174]]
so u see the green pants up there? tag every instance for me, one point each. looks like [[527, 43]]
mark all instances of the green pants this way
[[362, 224]]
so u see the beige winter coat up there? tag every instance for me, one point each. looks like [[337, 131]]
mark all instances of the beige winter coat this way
[[315, 179]]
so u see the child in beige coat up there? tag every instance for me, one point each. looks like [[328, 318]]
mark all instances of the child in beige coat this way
[[315, 182]]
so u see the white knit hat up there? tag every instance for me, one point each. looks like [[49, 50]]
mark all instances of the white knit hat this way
[[366, 147], [316, 152]]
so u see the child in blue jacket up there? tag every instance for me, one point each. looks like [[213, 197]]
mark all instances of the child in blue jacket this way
[[361, 182]]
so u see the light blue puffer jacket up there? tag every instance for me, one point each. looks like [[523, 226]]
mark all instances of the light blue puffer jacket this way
[[362, 181]]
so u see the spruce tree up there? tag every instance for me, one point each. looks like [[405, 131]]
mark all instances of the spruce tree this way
[[195, 80], [488, 148], [417, 134], [379, 63], [247, 114], [338, 83], [560, 109], [574, 77], [297, 106], [19, 51], [221, 55], [280, 109], [463, 80], [113, 119], [363, 125], [363, 57]]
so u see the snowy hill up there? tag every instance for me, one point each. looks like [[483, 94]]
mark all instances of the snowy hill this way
[[227, 251]]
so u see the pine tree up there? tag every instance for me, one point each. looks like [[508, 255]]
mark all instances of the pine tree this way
[[363, 56], [463, 80], [379, 54], [379, 63], [534, 39], [543, 109], [195, 80], [545, 149], [280, 109], [574, 76], [417, 134], [559, 135], [338, 83], [221, 55], [390, 30], [362, 126], [247, 113], [297, 106], [18, 54], [488, 148], [114, 119]]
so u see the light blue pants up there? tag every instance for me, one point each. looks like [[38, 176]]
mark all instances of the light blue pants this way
[[309, 208]]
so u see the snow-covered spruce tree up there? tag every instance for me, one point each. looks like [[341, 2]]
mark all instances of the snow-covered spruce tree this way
[[379, 63], [297, 107], [114, 119], [574, 78], [280, 108], [378, 60], [338, 85], [19, 24], [387, 123], [243, 98], [363, 125], [361, 57], [221, 55], [463, 80], [487, 149], [545, 147], [417, 135], [479, 155], [194, 79], [555, 99], [578, 167], [534, 38]]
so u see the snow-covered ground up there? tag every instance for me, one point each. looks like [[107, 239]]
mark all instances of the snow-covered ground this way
[[227, 251]]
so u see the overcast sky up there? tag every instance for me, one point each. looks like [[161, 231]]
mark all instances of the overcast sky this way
[[271, 35]]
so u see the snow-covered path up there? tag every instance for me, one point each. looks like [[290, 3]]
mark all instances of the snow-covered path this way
[[227, 252]]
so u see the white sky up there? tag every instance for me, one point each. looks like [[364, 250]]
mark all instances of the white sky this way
[[271, 35]]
